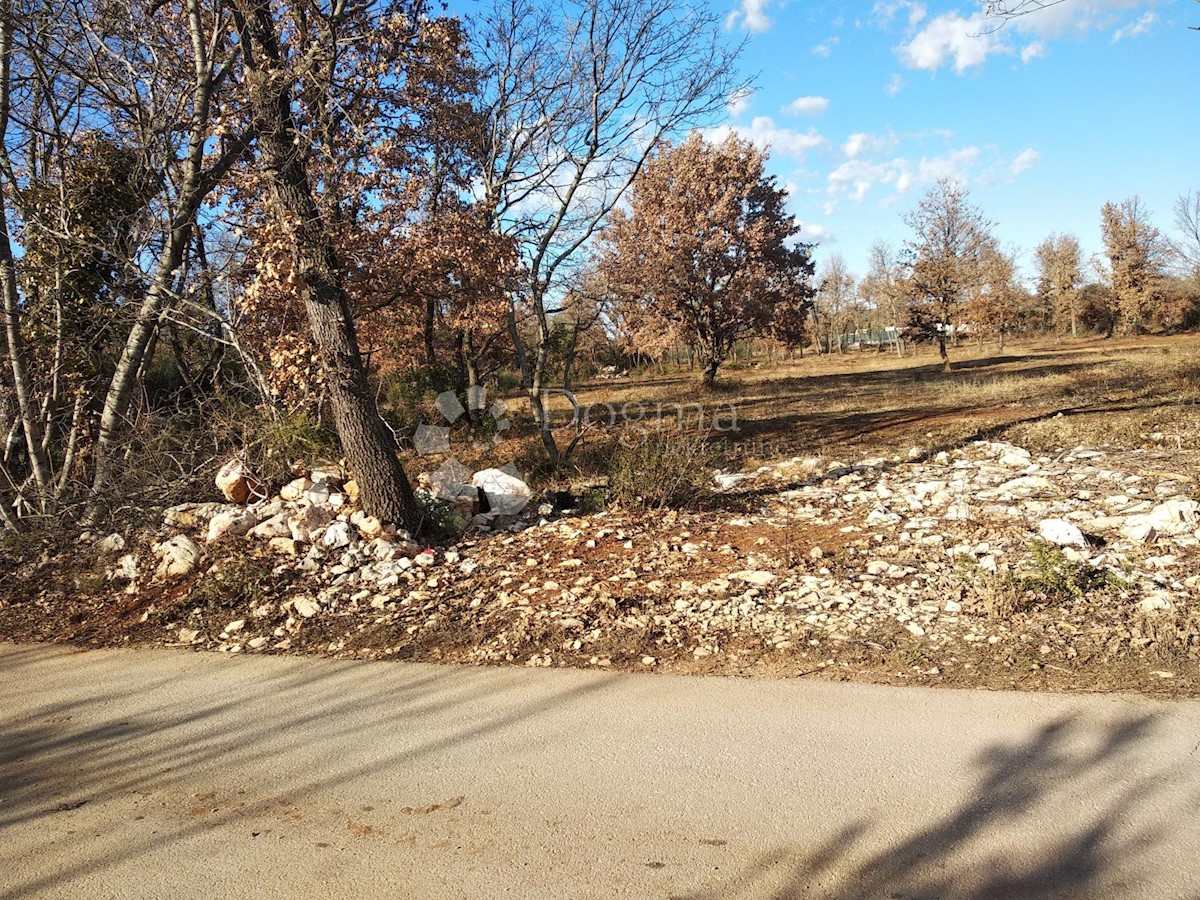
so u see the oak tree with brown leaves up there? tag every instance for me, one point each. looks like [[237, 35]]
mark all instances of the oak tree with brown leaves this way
[[1060, 276], [707, 242], [1136, 254]]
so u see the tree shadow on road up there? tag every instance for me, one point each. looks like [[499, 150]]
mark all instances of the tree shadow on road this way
[[988, 847], [316, 727]]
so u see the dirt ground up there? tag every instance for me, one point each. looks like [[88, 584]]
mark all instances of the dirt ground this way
[[1121, 395]]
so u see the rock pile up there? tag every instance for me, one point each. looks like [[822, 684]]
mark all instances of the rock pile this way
[[988, 549]]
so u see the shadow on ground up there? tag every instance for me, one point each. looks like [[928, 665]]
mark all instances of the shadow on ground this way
[[1102, 855], [306, 718]]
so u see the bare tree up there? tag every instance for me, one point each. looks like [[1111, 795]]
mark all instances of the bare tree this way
[[883, 288], [1187, 223], [833, 303], [576, 96], [946, 259]]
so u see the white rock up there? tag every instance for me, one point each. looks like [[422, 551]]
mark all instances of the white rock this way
[[274, 527], [959, 511], [1172, 517], [178, 556], [1062, 533], [237, 485], [758, 578], [915, 629], [294, 490], [306, 607], [1016, 457], [368, 526], [127, 568], [1157, 601], [877, 567], [725, 482], [507, 495], [337, 535], [114, 543], [308, 522], [883, 516], [1139, 532], [231, 522]]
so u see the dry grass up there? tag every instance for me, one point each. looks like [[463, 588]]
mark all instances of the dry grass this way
[[1122, 394]]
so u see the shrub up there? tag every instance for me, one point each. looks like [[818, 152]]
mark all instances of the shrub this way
[[658, 471]]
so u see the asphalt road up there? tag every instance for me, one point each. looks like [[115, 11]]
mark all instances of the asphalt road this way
[[158, 774]]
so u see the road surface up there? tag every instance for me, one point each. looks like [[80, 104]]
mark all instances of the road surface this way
[[160, 774]]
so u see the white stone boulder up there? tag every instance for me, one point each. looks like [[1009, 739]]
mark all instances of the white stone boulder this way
[[177, 556], [230, 523], [1062, 533], [507, 495]]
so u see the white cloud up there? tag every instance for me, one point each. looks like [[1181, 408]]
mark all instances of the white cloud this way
[[886, 11], [894, 86], [951, 37], [812, 233], [1077, 17], [1141, 26], [751, 15], [739, 102], [956, 165], [860, 142], [1026, 159], [1033, 51], [857, 177], [765, 134], [807, 106], [826, 47]]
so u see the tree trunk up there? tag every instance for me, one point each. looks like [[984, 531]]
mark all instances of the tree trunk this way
[[710, 371], [429, 331], [370, 449], [569, 359], [945, 357], [13, 343]]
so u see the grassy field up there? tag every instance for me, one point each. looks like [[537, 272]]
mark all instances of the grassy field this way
[[1125, 394]]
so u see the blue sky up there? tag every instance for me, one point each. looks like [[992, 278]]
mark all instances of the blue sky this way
[[863, 106]]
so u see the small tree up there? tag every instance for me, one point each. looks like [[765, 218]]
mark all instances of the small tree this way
[[883, 288], [996, 305], [708, 242], [575, 97], [1060, 274], [833, 304], [1136, 253], [945, 259]]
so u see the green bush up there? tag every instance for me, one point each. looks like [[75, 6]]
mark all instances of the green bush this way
[[658, 471], [1060, 579]]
